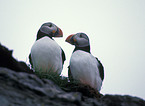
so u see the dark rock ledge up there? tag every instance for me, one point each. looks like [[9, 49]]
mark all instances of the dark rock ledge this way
[[24, 89]]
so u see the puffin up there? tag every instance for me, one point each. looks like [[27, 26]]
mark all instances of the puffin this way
[[84, 67], [46, 55]]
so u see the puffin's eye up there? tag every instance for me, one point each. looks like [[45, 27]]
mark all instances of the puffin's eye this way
[[50, 25]]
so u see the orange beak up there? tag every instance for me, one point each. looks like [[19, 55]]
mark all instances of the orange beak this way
[[60, 33], [68, 38]]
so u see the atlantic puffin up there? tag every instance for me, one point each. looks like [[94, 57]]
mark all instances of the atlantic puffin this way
[[84, 67], [46, 55]]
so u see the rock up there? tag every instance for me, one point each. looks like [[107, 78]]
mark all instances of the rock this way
[[124, 100], [19, 88], [7, 60], [23, 89], [116, 100]]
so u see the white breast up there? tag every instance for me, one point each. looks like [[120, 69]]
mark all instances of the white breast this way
[[84, 68], [46, 55]]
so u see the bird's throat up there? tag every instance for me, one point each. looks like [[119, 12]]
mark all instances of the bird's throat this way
[[86, 49]]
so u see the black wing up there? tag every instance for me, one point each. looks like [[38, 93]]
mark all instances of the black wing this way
[[63, 56], [70, 75], [30, 60], [101, 69]]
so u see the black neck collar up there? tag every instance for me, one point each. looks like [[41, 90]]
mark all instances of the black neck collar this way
[[86, 49], [41, 35]]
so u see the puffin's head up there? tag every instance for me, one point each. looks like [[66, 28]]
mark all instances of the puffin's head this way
[[49, 29], [79, 40]]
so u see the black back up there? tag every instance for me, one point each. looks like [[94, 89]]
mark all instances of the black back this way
[[63, 56], [101, 69]]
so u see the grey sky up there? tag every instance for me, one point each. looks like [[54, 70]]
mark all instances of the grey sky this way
[[116, 29]]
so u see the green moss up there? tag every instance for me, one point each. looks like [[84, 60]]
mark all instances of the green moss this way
[[66, 85], [61, 81]]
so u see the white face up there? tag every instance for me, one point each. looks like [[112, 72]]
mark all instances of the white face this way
[[80, 40]]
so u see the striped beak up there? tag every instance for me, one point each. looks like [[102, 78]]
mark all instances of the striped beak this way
[[59, 33], [68, 39]]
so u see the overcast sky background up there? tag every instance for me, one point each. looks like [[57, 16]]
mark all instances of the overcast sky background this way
[[116, 29]]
